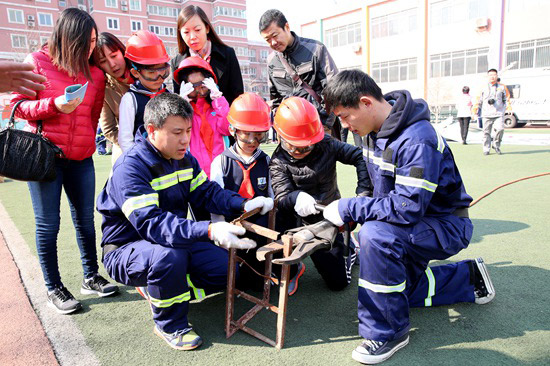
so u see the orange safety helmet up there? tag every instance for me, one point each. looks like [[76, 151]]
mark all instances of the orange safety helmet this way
[[193, 61], [249, 112], [146, 48], [297, 122]]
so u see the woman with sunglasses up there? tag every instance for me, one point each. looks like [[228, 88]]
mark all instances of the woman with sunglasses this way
[[150, 68], [303, 175]]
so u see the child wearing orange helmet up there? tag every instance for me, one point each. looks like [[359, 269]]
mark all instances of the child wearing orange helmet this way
[[303, 173]]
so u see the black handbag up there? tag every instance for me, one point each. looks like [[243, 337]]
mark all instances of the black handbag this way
[[26, 155]]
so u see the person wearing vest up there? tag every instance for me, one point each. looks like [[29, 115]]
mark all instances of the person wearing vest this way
[[150, 68]]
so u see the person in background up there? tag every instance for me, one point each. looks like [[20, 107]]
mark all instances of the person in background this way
[[197, 37], [65, 60], [150, 68], [464, 113], [110, 58]]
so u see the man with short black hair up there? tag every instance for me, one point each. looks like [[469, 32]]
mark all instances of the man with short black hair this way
[[418, 212], [148, 242], [494, 102], [298, 67]]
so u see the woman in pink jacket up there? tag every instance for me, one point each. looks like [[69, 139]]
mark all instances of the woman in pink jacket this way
[[71, 125], [210, 124]]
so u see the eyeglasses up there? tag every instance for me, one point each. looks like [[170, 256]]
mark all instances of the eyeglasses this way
[[153, 74], [250, 137], [291, 149]]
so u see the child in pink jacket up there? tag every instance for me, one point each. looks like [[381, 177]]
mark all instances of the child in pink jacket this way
[[210, 108]]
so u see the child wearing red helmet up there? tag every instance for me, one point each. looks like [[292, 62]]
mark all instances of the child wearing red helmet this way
[[198, 86], [150, 68]]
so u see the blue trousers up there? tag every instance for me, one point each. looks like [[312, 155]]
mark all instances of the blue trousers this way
[[394, 272], [77, 178], [173, 276]]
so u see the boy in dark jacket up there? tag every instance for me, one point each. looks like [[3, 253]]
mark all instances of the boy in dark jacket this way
[[303, 174]]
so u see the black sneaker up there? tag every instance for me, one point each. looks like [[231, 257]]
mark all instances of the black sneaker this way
[[484, 290], [371, 352], [63, 301], [97, 285], [497, 150]]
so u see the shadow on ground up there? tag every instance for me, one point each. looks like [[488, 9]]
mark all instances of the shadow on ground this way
[[487, 227]]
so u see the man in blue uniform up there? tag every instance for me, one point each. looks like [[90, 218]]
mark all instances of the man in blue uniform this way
[[418, 212], [147, 240]]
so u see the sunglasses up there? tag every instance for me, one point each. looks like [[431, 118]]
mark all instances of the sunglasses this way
[[250, 137], [295, 149], [154, 74]]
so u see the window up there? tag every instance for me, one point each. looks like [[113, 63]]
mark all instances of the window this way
[[112, 23], [44, 1], [528, 54], [231, 31], [15, 16], [163, 11], [63, 4], [341, 36], [263, 55], [135, 5], [111, 3], [393, 24], [18, 41], [392, 71], [456, 11], [459, 63], [136, 25], [45, 19], [229, 12], [163, 30], [44, 40]]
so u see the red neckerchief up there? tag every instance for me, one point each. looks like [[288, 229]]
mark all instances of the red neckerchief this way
[[206, 132], [246, 190], [157, 93]]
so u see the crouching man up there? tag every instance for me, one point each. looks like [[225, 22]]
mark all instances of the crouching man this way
[[418, 212], [148, 242]]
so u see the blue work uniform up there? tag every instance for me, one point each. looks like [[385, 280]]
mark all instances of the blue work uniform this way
[[418, 212], [147, 239]]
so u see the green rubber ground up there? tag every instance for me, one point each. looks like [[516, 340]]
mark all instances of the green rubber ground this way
[[511, 234]]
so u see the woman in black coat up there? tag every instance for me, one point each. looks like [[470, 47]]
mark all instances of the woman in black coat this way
[[197, 37]]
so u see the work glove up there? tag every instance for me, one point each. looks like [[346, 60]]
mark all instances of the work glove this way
[[225, 235], [332, 214], [266, 203], [185, 90], [305, 205], [215, 92]]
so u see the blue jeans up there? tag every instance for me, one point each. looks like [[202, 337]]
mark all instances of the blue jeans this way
[[78, 180]]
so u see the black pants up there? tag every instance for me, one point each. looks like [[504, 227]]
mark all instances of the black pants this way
[[464, 125], [356, 138]]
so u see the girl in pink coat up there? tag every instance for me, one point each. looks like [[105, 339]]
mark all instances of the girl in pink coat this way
[[210, 108]]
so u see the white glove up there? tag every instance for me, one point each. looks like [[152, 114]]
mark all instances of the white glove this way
[[305, 205], [332, 214], [185, 90], [266, 203], [215, 92], [225, 234]]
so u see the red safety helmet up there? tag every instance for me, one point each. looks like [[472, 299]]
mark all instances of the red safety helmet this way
[[146, 48], [297, 122], [249, 112], [193, 61]]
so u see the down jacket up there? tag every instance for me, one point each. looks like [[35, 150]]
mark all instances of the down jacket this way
[[75, 132], [316, 173]]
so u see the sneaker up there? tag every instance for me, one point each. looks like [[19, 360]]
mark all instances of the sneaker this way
[[356, 246], [484, 290], [182, 340], [371, 352], [97, 285], [63, 301], [293, 284], [497, 150], [486, 153]]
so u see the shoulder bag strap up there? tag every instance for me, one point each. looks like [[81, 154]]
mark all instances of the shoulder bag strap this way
[[296, 78], [11, 123]]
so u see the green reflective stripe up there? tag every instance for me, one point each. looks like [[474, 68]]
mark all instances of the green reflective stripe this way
[[198, 180], [440, 142], [169, 180], [415, 182], [135, 203], [186, 296], [431, 287], [382, 288], [199, 292]]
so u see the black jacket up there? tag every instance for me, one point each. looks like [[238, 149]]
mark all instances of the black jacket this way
[[312, 62], [223, 61], [316, 173]]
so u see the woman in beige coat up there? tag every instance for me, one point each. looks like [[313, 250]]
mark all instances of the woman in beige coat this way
[[118, 80]]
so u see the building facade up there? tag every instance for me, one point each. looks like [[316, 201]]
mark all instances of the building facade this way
[[435, 47], [27, 24]]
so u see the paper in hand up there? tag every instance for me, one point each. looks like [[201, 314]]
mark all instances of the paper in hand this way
[[75, 91]]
